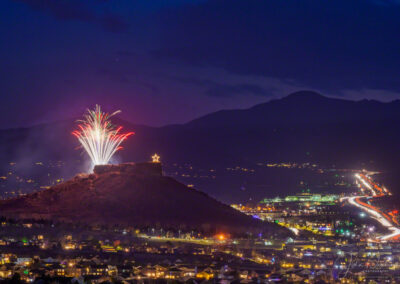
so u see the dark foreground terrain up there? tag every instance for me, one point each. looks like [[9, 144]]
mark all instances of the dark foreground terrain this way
[[131, 195]]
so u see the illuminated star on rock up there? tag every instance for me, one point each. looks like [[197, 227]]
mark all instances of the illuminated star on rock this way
[[156, 158]]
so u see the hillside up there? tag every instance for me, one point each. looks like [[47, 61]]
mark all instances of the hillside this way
[[131, 195]]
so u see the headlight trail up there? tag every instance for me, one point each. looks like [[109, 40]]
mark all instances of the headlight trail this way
[[374, 212]]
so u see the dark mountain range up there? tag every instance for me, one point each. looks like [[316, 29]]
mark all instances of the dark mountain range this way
[[302, 127], [303, 107], [132, 195]]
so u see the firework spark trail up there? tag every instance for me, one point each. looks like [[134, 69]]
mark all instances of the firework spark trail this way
[[99, 137]]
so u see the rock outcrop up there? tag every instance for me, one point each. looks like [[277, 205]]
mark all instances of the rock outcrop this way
[[131, 195]]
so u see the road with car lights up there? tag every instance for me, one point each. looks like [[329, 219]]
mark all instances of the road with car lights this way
[[373, 190]]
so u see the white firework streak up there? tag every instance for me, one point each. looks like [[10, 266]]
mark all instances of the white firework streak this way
[[99, 137]]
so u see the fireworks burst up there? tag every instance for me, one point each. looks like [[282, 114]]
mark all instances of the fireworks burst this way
[[98, 136]]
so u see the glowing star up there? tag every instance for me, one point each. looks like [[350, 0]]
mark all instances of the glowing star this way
[[155, 158], [99, 137]]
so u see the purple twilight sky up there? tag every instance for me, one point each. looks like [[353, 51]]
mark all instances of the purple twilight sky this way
[[164, 62]]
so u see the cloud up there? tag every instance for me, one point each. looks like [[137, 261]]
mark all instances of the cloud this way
[[114, 75], [113, 23], [127, 53], [325, 45], [68, 10], [218, 89], [380, 95], [126, 77], [386, 2]]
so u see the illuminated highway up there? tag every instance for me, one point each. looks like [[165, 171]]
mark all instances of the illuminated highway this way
[[182, 240], [375, 191]]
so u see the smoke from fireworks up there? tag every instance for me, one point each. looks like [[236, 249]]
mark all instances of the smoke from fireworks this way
[[98, 136]]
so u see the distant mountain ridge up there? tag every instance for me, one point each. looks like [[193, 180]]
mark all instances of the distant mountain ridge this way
[[303, 127], [303, 107]]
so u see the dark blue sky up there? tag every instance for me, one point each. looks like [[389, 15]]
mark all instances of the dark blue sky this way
[[164, 62]]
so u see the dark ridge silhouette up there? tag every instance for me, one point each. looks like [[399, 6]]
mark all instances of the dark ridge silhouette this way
[[132, 195], [302, 127]]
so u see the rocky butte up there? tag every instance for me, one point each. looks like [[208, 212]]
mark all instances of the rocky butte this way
[[131, 194]]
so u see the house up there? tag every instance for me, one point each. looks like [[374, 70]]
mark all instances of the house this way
[[6, 271], [206, 273], [173, 273]]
